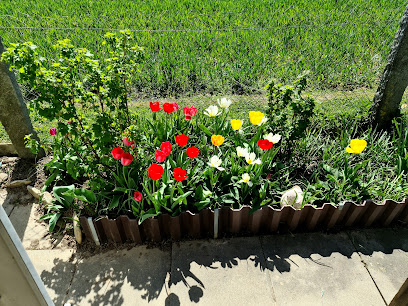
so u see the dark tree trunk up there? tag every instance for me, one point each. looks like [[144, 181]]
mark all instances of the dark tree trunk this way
[[386, 104]]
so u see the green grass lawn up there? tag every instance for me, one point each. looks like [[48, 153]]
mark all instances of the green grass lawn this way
[[222, 47]]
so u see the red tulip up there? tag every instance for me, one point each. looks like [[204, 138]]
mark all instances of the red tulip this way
[[155, 106], [53, 131], [117, 153], [166, 147], [155, 171], [189, 112], [265, 144], [138, 196], [170, 107], [160, 156], [192, 152], [182, 140], [176, 106], [126, 159], [180, 174], [126, 142]]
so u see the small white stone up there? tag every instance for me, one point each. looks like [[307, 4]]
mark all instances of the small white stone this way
[[77, 228], [3, 177], [292, 197], [47, 198], [9, 160], [36, 193]]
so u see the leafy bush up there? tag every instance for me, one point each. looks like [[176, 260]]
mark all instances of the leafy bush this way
[[87, 97], [289, 112]]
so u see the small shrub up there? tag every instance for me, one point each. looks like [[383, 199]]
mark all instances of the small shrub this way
[[288, 111]]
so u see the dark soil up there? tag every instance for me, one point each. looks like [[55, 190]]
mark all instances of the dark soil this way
[[24, 169]]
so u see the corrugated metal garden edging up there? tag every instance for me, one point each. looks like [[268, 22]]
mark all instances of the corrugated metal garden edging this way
[[212, 223]]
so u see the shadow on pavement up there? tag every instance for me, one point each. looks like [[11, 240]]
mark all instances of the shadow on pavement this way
[[139, 274]]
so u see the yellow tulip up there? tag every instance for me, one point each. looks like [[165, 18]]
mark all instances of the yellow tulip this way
[[255, 117], [217, 140], [236, 124], [356, 146]]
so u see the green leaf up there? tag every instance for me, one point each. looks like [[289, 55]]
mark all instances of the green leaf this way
[[152, 199], [64, 194], [131, 183], [119, 179], [172, 163], [150, 213], [85, 195], [180, 189], [180, 198], [205, 130], [121, 189], [199, 193], [235, 193], [202, 204], [50, 180], [115, 202], [53, 221]]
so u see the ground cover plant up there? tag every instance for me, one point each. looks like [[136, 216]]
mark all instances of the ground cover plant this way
[[108, 159], [222, 47]]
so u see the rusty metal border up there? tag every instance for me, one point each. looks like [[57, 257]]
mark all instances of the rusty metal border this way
[[265, 220]]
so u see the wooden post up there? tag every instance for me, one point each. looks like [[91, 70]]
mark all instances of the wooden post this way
[[394, 81], [401, 298], [13, 111]]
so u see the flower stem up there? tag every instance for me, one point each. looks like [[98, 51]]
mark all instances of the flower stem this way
[[124, 176]]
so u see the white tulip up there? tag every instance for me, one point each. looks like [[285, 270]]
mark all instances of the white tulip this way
[[264, 119], [224, 102], [246, 179], [242, 152], [251, 159], [212, 111], [273, 138], [215, 162]]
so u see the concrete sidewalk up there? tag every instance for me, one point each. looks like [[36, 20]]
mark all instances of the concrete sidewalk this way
[[356, 267]]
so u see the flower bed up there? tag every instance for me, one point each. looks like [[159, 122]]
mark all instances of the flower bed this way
[[209, 170]]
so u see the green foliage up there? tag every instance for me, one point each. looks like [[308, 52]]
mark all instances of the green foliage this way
[[331, 175], [65, 202], [342, 43], [347, 113], [206, 186], [86, 97], [32, 143], [289, 112], [400, 137]]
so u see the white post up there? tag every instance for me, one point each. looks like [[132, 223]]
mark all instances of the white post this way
[[19, 281]]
